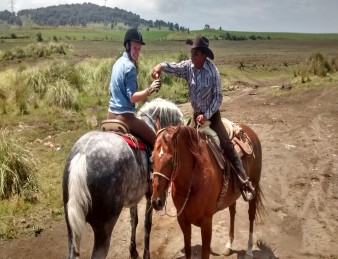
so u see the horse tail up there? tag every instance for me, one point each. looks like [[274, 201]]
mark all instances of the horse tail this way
[[79, 197], [259, 202]]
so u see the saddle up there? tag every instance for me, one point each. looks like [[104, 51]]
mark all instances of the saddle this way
[[122, 129], [238, 137]]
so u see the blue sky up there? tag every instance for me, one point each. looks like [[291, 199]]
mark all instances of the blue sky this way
[[308, 16]]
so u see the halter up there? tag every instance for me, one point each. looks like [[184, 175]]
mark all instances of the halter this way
[[176, 167]]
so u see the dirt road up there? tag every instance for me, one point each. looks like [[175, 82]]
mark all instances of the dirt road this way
[[298, 133]]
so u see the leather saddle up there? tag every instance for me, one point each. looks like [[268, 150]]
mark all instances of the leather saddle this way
[[122, 129], [239, 138]]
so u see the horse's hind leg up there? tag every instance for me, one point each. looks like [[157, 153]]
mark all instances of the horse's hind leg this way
[[133, 222], [252, 216], [102, 236], [232, 211]]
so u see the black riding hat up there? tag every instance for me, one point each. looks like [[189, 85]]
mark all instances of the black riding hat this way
[[133, 34]]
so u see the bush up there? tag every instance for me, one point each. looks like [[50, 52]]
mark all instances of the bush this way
[[17, 169], [95, 74], [63, 95], [316, 65]]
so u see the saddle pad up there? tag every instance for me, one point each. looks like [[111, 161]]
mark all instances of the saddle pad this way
[[140, 145]]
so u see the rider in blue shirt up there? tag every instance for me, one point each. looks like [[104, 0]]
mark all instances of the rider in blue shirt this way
[[124, 93]]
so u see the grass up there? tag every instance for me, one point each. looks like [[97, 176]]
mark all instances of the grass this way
[[55, 119]]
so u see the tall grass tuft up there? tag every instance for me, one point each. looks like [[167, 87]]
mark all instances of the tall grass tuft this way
[[317, 65], [36, 79], [95, 74], [63, 70], [17, 169], [63, 95], [3, 101], [22, 94]]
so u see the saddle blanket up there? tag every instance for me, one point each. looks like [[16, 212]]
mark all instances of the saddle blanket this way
[[139, 145]]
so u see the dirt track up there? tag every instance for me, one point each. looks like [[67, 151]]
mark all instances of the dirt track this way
[[298, 133]]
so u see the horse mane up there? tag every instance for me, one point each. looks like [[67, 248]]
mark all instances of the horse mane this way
[[191, 138], [164, 109]]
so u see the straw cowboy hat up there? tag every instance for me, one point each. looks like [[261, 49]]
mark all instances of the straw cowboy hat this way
[[201, 43]]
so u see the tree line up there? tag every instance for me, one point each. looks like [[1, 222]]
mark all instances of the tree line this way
[[83, 14]]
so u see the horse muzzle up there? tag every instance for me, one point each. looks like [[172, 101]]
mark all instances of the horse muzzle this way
[[158, 203]]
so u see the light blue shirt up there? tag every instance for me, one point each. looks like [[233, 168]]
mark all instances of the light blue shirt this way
[[123, 84], [205, 87]]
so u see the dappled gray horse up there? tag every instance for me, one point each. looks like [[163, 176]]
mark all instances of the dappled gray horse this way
[[102, 175]]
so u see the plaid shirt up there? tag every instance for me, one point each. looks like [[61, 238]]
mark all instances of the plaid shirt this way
[[205, 86]]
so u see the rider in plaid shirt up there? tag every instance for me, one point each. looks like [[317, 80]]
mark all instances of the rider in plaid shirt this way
[[205, 91]]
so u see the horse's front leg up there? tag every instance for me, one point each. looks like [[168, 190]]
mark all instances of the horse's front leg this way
[[133, 223], [186, 230], [232, 211], [206, 232], [148, 220]]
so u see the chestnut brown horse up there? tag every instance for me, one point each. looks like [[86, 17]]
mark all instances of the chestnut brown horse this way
[[183, 158]]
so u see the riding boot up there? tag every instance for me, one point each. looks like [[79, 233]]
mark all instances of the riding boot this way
[[247, 190]]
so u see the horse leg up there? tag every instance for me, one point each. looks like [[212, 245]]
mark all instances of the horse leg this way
[[133, 222], [148, 219], [252, 216], [206, 229], [102, 236], [186, 230], [232, 211]]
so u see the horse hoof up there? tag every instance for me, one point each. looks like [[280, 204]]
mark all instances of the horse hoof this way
[[227, 251], [134, 255], [146, 255]]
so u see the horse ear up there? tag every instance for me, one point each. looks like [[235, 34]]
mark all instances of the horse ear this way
[[158, 124]]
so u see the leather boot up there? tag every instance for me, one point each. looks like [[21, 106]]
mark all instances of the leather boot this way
[[247, 190]]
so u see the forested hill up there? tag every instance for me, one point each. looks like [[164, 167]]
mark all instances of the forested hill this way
[[83, 14]]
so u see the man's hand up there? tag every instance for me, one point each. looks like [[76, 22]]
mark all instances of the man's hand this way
[[156, 71], [155, 86], [201, 119]]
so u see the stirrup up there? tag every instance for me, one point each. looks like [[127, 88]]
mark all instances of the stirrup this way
[[248, 184], [248, 191], [247, 194]]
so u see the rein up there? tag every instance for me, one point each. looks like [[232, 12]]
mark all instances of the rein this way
[[176, 156]]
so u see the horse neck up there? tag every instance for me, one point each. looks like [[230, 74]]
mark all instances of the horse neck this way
[[187, 171]]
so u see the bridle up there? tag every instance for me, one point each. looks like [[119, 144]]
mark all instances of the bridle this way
[[176, 166]]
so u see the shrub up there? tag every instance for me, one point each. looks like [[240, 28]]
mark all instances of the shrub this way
[[63, 95], [316, 65], [17, 169], [64, 70], [95, 75]]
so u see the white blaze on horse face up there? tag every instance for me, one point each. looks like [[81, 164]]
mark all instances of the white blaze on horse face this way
[[161, 153]]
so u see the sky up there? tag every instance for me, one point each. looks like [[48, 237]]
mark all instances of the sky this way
[[304, 16]]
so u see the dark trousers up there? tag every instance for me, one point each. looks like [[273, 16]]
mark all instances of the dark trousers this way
[[226, 144]]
